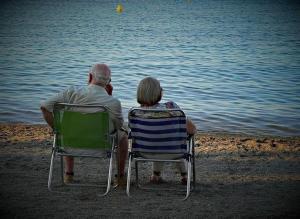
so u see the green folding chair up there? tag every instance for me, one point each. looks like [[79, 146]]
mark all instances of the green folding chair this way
[[74, 129]]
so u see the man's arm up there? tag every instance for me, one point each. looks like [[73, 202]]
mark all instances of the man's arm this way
[[47, 106], [48, 116], [117, 118]]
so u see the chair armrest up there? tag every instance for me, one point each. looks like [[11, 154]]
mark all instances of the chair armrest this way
[[190, 136], [125, 130], [191, 141]]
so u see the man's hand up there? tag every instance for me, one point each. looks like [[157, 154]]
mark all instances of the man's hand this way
[[109, 89]]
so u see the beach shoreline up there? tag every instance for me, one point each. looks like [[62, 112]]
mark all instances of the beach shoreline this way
[[237, 176]]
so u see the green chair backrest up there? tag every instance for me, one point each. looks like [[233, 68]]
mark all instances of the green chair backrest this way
[[82, 130]]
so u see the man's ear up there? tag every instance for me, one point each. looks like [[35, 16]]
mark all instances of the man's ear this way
[[90, 78]]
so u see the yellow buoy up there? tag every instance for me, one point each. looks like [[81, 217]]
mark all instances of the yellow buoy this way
[[119, 8]]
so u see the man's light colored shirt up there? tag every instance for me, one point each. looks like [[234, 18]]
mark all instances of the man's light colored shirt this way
[[89, 95]]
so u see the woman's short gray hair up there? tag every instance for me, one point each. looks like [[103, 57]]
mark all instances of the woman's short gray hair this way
[[149, 91]]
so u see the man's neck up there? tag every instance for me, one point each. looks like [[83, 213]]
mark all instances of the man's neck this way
[[98, 84]]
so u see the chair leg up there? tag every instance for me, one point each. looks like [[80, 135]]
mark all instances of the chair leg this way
[[192, 145], [112, 154], [128, 175], [136, 173], [62, 169], [51, 170], [109, 176], [188, 184], [194, 172]]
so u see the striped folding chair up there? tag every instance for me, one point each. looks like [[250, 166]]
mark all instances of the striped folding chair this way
[[160, 131]]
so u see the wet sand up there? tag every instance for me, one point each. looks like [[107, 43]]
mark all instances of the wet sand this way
[[237, 176]]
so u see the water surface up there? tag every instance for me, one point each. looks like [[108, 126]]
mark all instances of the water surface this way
[[233, 66]]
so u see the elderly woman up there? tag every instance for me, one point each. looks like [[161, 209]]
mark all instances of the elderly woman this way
[[149, 94]]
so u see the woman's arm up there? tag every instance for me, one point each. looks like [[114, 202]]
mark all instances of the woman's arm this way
[[190, 127]]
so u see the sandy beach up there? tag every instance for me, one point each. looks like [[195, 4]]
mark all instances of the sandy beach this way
[[237, 177]]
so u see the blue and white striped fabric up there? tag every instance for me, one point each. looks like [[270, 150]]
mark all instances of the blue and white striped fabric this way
[[156, 134]]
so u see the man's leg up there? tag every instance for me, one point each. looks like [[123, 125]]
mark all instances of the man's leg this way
[[121, 161], [69, 164], [69, 170], [122, 155]]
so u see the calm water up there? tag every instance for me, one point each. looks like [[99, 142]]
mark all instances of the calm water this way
[[233, 66]]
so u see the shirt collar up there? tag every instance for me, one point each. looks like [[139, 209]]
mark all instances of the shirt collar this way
[[94, 86]]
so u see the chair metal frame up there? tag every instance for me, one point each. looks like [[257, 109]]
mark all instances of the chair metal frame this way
[[57, 149], [188, 155]]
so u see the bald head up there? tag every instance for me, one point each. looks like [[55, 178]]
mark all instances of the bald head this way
[[101, 74]]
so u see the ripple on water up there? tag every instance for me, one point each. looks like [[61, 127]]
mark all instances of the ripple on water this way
[[229, 71]]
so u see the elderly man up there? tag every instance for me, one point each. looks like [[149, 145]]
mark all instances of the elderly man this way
[[98, 91]]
